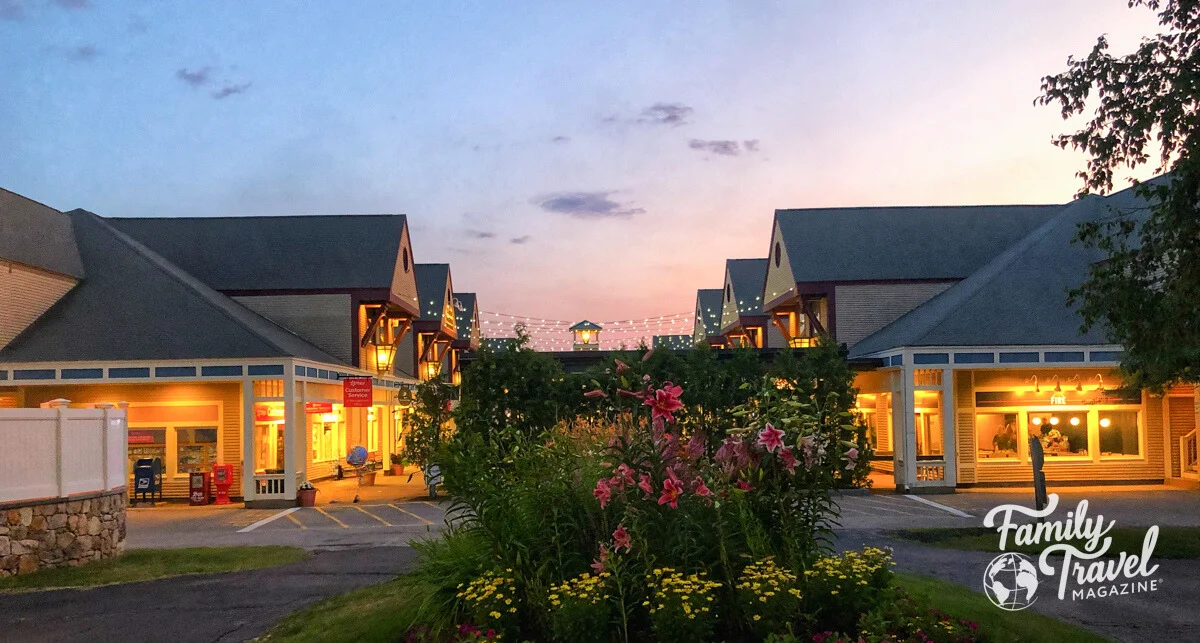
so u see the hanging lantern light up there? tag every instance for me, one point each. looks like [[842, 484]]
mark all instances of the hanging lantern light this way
[[384, 348]]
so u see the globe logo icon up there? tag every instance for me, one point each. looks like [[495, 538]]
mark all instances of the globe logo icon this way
[[1010, 581]]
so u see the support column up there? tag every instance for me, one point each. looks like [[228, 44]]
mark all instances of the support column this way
[[949, 434], [247, 440], [289, 432], [907, 410]]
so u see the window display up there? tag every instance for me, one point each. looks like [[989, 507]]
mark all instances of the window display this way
[[1119, 435], [1062, 433], [196, 449], [997, 435], [147, 443]]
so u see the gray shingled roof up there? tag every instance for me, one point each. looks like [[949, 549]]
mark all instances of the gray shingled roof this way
[[585, 325], [135, 305], [465, 316], [1019, 298], [432, 281], [37, 235], [942, 242], [749, 277], [276, 253], [673, 342], [708, 301]]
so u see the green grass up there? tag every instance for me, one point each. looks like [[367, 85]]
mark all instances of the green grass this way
[[995, 624], [376, 613], [148, 564], [383, 613], [1173, 542]]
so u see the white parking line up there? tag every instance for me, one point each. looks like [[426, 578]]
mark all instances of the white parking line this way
[[876, 506], [267, 520], [951, 510]]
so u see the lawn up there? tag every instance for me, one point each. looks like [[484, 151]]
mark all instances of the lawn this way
[[1173, 542], [381, 613], [148, 564]]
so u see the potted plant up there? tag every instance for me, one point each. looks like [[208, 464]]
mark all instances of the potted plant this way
[[306, 495], [398, 464], [368, 476]]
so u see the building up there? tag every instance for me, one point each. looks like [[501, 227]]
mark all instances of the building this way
[[466, 316], [977, 350], [427, 354], [239, 358], [744, 322], [672, 342], [850, 271], [708, 319]]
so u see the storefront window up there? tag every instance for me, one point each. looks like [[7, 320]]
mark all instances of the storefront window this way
[[1061, 433], [195, 449], [997, 435], [147, 443], [1119, 433], [928, 424], [328, 435]]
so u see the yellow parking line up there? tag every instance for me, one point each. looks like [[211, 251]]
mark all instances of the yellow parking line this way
[[300, 524], [426, 502], [405, 511], [327, 515], [386, 523]]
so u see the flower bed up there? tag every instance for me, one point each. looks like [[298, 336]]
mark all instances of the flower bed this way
[[630, 525]]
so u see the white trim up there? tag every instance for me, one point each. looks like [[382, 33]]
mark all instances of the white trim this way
[[947, 509], [266, 520]]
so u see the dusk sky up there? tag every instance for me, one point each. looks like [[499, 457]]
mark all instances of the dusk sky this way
[[568, 161]]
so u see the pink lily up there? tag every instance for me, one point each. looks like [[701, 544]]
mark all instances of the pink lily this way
[[771, 438], [789, 461], [644, 484], [622, 367], [621, 539], [594, 394], [602, 492], [670, 493], [851, 459]]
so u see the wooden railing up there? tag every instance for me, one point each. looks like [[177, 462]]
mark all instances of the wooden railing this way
[[1187, 453], [271, 486]]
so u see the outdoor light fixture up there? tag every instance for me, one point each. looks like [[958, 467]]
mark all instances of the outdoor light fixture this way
[[385, 349], [432, 369], [1036, 388], [1057, 397]]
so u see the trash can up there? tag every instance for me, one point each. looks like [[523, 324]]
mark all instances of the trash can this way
[[199, 488]]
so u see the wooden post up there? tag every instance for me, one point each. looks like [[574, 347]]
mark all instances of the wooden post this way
[[949, 435], [289, 431], [248, 490]]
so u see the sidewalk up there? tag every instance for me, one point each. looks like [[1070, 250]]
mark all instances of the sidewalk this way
[[387, 488]]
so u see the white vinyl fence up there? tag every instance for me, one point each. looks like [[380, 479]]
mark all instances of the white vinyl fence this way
[[59, 452]]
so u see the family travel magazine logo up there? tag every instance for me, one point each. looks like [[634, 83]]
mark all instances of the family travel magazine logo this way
[[1011, 580]]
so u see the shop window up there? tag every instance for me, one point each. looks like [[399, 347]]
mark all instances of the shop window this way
[[147, 443], [927, 421], [997, 435], [195, 449], [1119, 434], [1061, 433]]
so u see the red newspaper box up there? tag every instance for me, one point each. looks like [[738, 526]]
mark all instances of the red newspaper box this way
[[222, 480], [199, 488]]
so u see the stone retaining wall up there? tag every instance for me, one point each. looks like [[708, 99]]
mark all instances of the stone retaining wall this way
[[62, 532]]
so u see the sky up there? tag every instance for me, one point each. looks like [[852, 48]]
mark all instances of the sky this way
[[569, 160]]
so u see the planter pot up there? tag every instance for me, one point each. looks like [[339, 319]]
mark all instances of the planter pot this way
[[306, 497], [368, 479], [397, 469]]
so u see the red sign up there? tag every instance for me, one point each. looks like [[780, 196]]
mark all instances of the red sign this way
[[356, 391], [318, 407], [141, 437], [267, 413]]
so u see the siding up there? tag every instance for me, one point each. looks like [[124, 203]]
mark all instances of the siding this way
[[25, 294], [322, 320], [964, 427], [779, 278], [229, 395], [404, 280], [1182, 420], [864, 309], [729, 308]]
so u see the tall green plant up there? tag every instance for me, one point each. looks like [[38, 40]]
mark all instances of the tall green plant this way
[[431, 421]]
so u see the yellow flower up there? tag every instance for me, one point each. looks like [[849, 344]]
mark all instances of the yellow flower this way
[[494, 614]]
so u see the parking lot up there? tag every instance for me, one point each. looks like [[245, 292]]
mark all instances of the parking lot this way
[[323, 527]]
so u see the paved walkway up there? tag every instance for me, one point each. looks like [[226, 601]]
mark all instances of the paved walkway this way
[[216, 607]]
